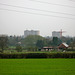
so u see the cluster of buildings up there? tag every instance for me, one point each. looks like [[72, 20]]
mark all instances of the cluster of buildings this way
[[36, 32], [60, 47]]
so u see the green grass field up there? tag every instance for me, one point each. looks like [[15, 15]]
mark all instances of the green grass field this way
[[37, 66]]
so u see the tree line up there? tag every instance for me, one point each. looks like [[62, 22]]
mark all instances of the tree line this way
[[33, 42]]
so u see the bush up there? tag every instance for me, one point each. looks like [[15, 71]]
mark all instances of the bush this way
[[61, 55], [18, 48], [38, 55], [70, 50], [12, 56]]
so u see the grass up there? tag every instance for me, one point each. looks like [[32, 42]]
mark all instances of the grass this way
[[37, 66]]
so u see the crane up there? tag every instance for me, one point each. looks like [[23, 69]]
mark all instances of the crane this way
[[61, 32]]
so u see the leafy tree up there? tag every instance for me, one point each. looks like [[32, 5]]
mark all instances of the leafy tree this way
[[55, 41], [72, 44], [3, 42], [18, 48], [46, 42], [31, 40], [13, 40], [40, 43], [31, 48]]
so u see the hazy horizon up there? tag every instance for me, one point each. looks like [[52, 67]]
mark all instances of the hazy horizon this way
[[45, 16]]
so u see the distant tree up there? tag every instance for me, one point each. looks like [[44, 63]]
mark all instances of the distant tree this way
[[46, 42], [40, 43], [3, 42], [69, 41], [55, 41], [72, 45], [31, 40], [31, 48], [59, 41], [13, 40], [18, 48]]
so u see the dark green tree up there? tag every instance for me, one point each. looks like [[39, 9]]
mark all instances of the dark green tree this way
[[31, 48], [18, 48], [72, 44], [13, 40], [3, 42], [40, 43], [55, 41], [31, 40]]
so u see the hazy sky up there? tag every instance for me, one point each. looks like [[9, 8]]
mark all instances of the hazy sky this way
[[43, 15]]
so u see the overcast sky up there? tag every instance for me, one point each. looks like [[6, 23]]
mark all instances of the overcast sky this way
[[43, 15]]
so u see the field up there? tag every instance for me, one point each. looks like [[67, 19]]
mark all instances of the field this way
[[37, 66]]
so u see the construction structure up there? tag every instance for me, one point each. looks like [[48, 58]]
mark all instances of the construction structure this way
[[57, 33], [31, 32]]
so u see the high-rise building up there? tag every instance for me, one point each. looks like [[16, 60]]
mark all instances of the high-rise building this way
[[30, 32], [56, 34]]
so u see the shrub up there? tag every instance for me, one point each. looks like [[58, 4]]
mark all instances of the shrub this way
[[38, 55], [70, 50], [61, 55], [12, 56], [18, 48]]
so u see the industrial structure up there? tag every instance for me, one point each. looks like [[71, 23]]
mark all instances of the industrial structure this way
[[30, 32], [57, 33]]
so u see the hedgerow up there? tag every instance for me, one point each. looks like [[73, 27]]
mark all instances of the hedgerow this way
[[37, 55]]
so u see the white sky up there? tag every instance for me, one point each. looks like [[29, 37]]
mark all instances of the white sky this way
[[14, 23]]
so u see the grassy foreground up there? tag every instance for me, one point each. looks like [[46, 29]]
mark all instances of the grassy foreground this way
[[37, 66]]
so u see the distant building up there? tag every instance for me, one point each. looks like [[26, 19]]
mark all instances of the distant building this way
[[3, 35], [47, 49], [30, 32], [63, 46], [56, 34]]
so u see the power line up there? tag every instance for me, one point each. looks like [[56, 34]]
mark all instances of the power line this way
[[37, 14], [37, 9], [52, 3]]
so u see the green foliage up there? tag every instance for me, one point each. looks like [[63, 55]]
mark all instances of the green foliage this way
[[40, 44], [36, 55], [35, 42], [31, 40], [72, 45], [61, 55], [3, 42], [70, 49], [31, 48], [19, 48], [55, 41], [39, 55], [13, 40], [12, 56]]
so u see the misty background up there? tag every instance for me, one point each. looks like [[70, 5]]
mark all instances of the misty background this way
[[43, 15]]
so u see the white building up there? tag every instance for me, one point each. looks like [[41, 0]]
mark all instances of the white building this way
[[30, 32], [56, 34]]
